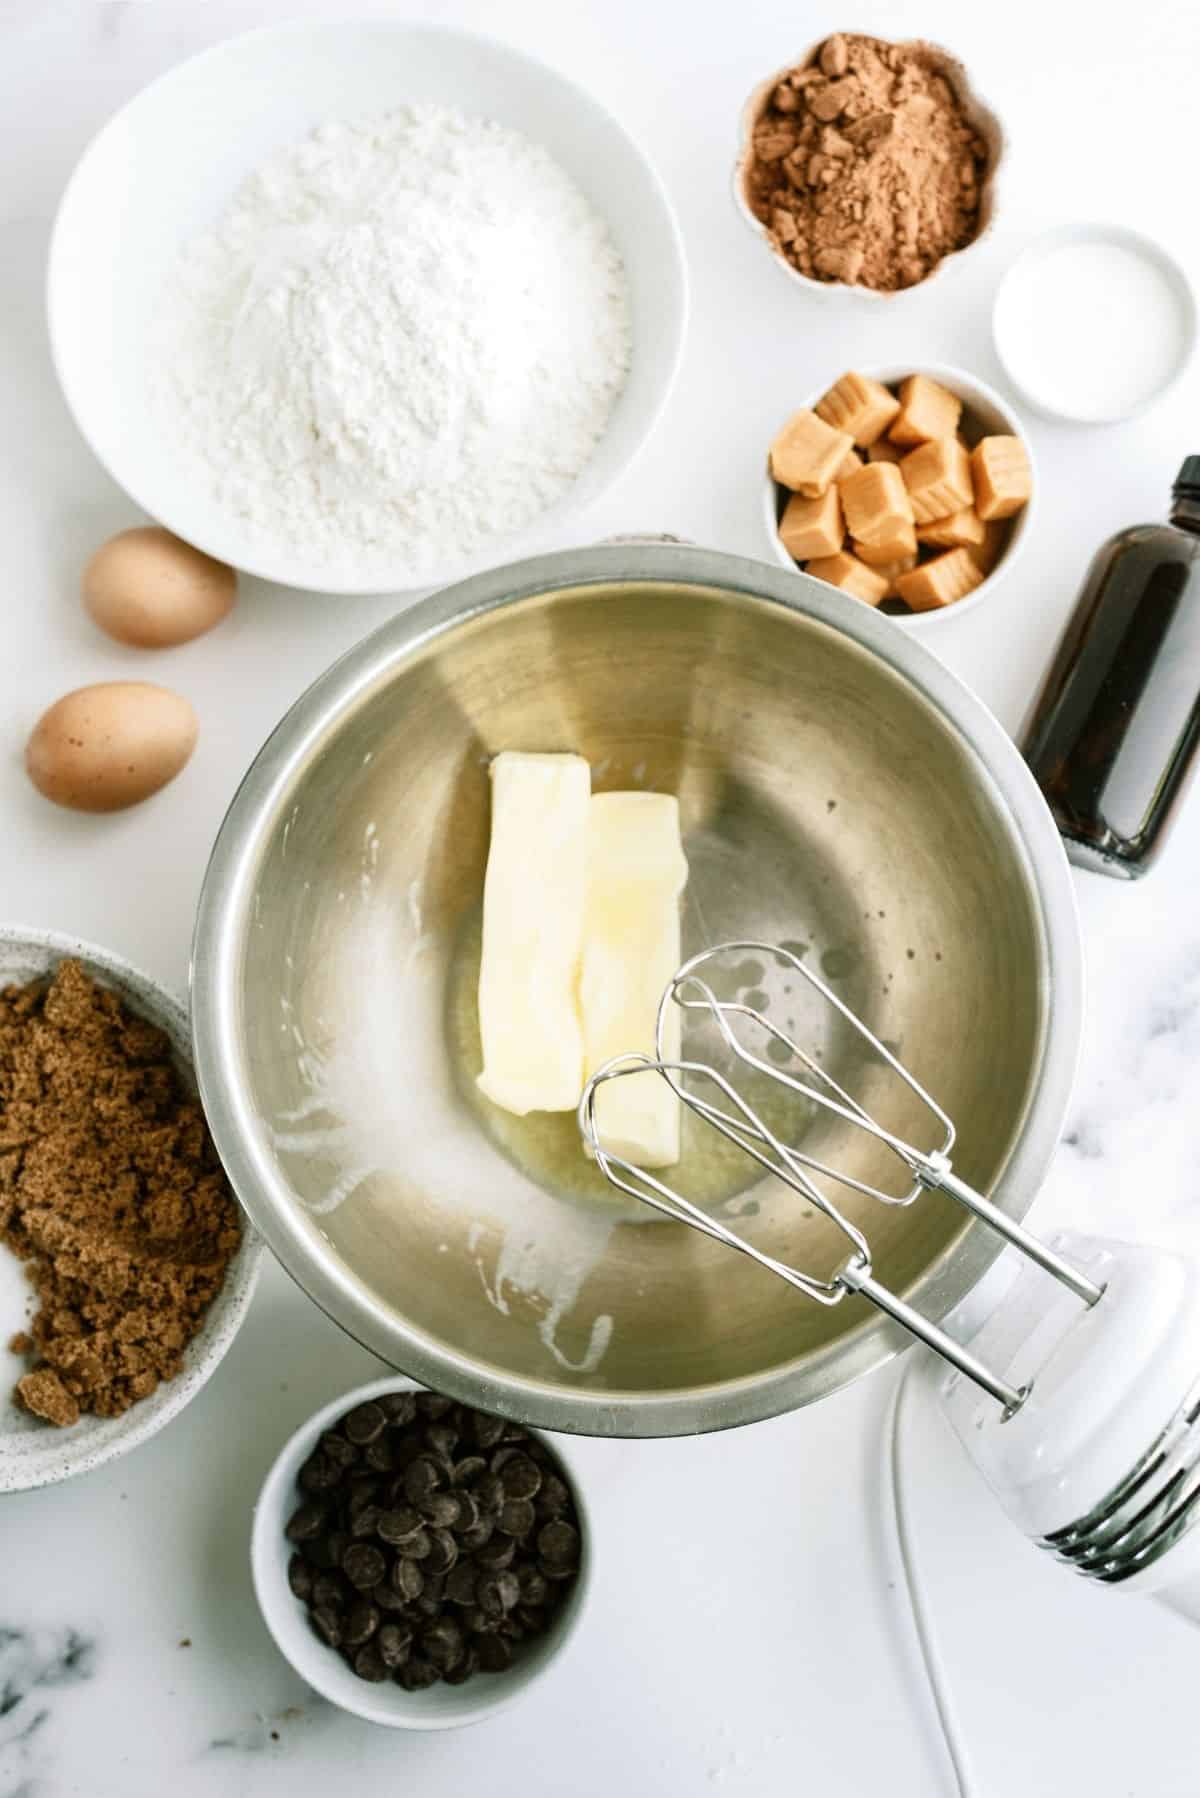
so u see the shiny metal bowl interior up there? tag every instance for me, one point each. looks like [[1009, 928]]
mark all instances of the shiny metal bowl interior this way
[[838, 789]]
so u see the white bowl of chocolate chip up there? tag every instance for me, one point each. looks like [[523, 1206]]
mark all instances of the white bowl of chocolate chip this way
[[868, 167], [421, 1564]]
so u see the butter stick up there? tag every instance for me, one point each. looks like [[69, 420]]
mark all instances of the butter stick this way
[[631, 948], [533, 914]]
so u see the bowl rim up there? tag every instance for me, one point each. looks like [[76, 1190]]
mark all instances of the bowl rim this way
[[228, 1308], [983, 113], [269, 1554], [972, 387], [559, 516], [225, 898], [1154, 250]]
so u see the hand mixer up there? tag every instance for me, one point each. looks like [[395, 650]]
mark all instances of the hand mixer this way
[[1077, 1394]]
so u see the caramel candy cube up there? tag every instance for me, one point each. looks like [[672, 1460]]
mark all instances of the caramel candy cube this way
[[851, 575], [995, 536], [927, 411], [940, 582], [883, 451], [859, 405], [962, 530], [807, 454], [938, 478], [1002, 475], [812, 527], [876, 503], [888, 571], [852, 461], [879, 555]]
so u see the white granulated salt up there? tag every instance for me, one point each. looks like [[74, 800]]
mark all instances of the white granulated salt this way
[[403, 340]]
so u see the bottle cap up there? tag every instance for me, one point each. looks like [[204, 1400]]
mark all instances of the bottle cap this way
[[1189, 475]]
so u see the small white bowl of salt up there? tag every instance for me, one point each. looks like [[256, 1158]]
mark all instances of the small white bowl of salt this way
[[1093, 323]]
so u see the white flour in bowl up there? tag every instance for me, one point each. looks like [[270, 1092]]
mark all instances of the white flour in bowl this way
[[404, 339]]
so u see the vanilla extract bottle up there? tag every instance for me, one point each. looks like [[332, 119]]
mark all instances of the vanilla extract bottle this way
[[1113, 739]]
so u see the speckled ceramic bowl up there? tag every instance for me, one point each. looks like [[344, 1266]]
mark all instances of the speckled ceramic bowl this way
[[33, 1453], [980, 116]]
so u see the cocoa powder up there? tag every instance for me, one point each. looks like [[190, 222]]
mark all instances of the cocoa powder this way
[[111, 1190], [864, 168]]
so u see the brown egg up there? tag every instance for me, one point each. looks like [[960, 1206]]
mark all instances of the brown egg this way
[[102, 748], [150, 589]]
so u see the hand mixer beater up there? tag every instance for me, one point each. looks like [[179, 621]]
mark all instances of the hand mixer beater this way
[[1078, 1394]]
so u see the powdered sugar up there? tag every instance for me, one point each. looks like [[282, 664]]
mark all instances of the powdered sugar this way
[[402, 342]]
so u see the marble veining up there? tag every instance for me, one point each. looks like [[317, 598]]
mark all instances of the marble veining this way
[[784, 1667]]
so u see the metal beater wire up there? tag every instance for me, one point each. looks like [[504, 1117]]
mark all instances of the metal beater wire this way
[[746, 1128]]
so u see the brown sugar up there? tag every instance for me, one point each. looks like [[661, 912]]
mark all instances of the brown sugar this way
[[870, 176], [110, 1190]]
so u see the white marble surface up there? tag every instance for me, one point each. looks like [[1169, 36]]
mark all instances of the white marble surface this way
[[750, 1639]]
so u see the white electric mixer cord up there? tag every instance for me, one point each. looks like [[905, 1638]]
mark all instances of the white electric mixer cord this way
[[930, 1654]]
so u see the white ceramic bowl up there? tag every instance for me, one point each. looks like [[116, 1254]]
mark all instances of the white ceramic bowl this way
[[441, 1706], [33, 1453], [981, 117], [165, 166], [984, 413], [1015, 307]]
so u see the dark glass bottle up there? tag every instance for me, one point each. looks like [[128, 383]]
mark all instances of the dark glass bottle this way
[[1115, 731]]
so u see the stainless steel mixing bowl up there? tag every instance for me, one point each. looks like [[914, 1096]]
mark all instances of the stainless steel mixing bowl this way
[[839, 788]]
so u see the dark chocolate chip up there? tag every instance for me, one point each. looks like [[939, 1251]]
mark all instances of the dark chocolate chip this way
[[489, 1493], [554, 1497], [362, 1621], [470, 1541], [364, 1565], [416, 1548], [336, 1449], [460, 1584], [533, 1585], [319, 1473], [329, 1592], [365, 1423], [516, 1517], [328, 1624], [381, 1454], [486, 1430], [434, 1405], [459, 1675], [520, 1477], [558, 1543], [387, 1597], [300, 1576], [443, 1644], [442, 1439], [532, 1619], [398, 1407], [496, 1554], [368, 1664], [443, 1551], [398, 1526], [305, 1523], [422, 1478], [365, 1521], [408, 1580], [468, 1470], [468, 1511], [494, 1652], [393, 1642], [497, 1593], [441, 1509], [416, 1675]]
